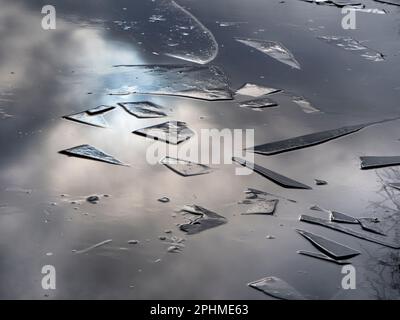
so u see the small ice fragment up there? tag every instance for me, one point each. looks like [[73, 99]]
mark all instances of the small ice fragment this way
[[100, 109], [174, 249], [93, 199], [258, 104], [255, 90], [322, 256], [49, 254], [133, 241], [340, 228], [305, 105], [162, 238], [18, 190], [283, 181], [342, 218], [89, 152], [144, 109], [93, 247], [319, 182], [329, 247], [185, 168], [276, 288], [96, 120], [206, 220], [262, 207], [163, 200], [270, 237], [274, 49], [173, 132], [168, 231], [350, 44], [379, 162]]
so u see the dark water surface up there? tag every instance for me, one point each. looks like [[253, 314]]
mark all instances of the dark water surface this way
[[45, 75]]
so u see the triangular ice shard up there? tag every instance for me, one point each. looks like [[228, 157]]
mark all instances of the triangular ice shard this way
[[144, 109], [206, 220], [86, 118], [173, 132], [274, 49], [371, 225], [273, 176], [89, 152], [329, 247], [276, 288], [255, 90], [185, 168], [322, 256], [341, 217]]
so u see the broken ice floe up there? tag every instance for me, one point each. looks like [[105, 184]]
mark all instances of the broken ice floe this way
[[84, 117], [256, 202], [304, 141], [198, 82], [273, 176], [144, 109], [276, 288], [379, 162], [258, 104], [173, 132], [273, 49], [319, 182], [185, 168], [350, 44], [93, 247], [255, 90], [206, 219], [354, 233], [322, 256], [329, 247], [304, 104], [368, 224], [89, 152]]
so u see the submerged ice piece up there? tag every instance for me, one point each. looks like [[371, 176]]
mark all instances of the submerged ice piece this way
[[322, 256], [206, 220], [331, 248], [357, 234], [304, 141], [262, 206], [283, 181], [379, 162], [277, 288], [88, 152], [304, 104], [144, 109], [255, 90], [173, 132], [350, 44], [96, 120], [198, 82], [258, 104], [274, 49], [185, 168]]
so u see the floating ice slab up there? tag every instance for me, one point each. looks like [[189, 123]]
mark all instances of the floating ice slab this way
[[357, 234], [173, 132], [185, 168], [342, 218], [100, 109], [304, 141], [274, 49], [144, 109], [273, 176], [198, 82], [322, 256], [276, 288], [350, 44], [206, 220], [258, 104], [329, 247], [88, 152], [255, 90], [371, 225], [85, 118], [379, 162]]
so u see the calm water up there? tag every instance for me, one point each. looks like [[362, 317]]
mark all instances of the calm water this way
[[45, 75]]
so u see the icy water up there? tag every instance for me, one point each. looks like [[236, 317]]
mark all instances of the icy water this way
[[46, 218]]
